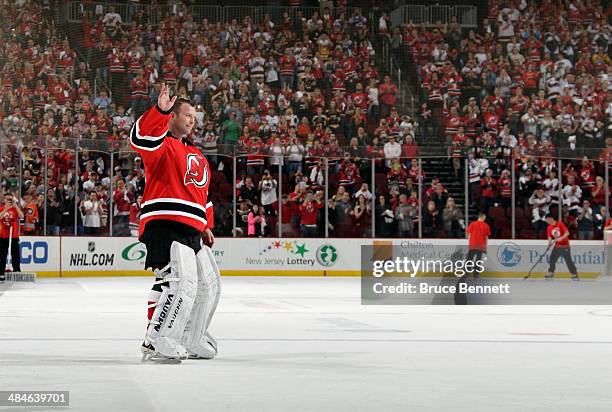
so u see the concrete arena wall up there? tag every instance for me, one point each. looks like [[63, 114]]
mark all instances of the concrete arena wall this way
[[120, 256]]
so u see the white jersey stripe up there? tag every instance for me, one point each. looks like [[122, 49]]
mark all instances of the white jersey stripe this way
[[172, 213], [174, 200]]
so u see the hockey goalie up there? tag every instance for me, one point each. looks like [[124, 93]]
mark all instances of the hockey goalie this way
[[175, 226]]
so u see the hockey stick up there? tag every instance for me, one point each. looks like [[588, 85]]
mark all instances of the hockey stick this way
[[539, 260], [10, 245]]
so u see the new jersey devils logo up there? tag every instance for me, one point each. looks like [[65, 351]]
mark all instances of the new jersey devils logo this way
[[197, 172]]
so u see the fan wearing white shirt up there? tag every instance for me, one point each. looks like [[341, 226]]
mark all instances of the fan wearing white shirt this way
[[91, 210], [392, 150], [365, 191]]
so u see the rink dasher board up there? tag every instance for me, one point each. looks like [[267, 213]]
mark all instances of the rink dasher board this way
[[124, 256]]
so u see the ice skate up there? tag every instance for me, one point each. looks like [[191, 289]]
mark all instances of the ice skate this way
[[149, 354]]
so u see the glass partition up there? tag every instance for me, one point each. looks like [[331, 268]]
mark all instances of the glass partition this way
[[94, 187], [222, 190]]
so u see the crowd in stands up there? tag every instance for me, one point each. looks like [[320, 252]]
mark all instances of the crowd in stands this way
[[300, 105], [533, 82]]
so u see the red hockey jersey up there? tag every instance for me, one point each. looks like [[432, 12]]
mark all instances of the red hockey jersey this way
[[177, 175]]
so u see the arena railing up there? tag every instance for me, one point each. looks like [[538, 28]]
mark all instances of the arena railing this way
[[213, 14], [466, 15], [36, 164]]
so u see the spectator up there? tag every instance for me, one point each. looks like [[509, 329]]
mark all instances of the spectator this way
[[385, 218], [393, 150], [551, 187], [343, 210], [410, 149], [439, 195], [540, 204], [453, 220], [295, 153], [572, 195], [599, 193], [488, 191], [256, 222], [54, 216], [92, 212], [231, 130], [112, 20], [31, 216], [432, 220], [405, 216], [362, 216], [135, 212], [364, 191], [102, 101], [267, 188], [308, 215], [123, 197], [249, 192], [586, 222], [387, 92]]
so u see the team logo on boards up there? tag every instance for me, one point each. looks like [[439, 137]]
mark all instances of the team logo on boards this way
[[196, 172], [509, 254]]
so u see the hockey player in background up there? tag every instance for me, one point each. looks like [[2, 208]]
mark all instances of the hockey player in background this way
[[175, 226], [558, 234], [478, 233], [10, 214]]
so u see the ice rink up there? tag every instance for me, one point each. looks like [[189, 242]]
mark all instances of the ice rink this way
[[305, 344]]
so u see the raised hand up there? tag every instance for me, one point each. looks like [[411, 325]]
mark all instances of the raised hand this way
[[164, 102]]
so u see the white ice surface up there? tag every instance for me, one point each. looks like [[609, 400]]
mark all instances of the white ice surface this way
[[305, 344]]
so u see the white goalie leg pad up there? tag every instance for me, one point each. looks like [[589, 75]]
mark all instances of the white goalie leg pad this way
[[197, 340], [175, 304]]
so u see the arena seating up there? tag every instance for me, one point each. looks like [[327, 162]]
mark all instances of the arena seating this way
[[314, 108]]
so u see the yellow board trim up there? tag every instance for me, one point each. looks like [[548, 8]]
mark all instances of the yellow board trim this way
[[104, 273], [46, 274]]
